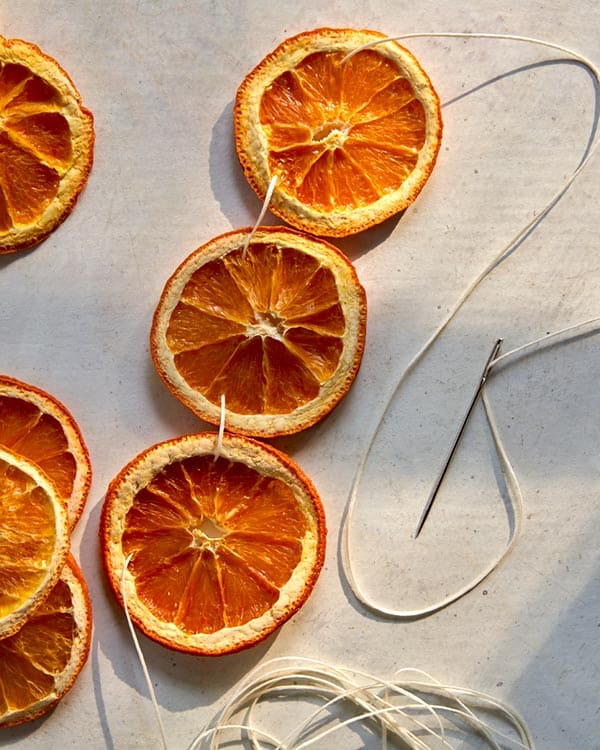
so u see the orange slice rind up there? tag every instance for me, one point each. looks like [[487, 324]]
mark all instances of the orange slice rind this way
[[40, 662], [34, 539], [351, 139], [278, 329], [38, 427], [46, 145], [222, 551]]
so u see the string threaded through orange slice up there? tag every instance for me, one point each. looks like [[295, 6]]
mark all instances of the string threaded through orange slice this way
[[46, 145], [34, 539], [352, 138], [40, 662], [278, 328], [38, 427], [223, 551]]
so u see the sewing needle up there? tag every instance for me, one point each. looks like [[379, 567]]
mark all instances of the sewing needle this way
[[461, 429]]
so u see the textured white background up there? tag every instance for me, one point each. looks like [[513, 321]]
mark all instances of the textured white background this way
[[160, 78]]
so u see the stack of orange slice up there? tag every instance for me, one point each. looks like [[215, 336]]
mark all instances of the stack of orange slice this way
[[46, 153], [45, 613]]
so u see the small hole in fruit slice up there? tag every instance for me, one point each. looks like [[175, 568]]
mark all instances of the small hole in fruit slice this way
[[210, 529]]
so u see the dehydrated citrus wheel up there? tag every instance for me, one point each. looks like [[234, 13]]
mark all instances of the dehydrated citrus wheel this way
[[34, 539], [277, 328], [223, 551], [46, 144], [352, 140], [37, 426], [40, 662]]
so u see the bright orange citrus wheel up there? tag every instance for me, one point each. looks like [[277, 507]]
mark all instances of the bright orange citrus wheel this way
[[222, 551], [351, 139], [46, 145], [34, 539], [277, 328], [40, 662], [38, 427]]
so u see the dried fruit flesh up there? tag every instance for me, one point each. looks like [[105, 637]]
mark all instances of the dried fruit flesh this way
[[38, 427], [46, 145], [40, 662], [222, 550], [351, 134], [276, 327], [34, 539]]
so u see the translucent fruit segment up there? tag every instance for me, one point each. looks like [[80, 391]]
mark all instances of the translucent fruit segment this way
[[191, 328], [243, 380], [202, 608], [263, 327], [289, 102], [301, 167], [365, 74], [27, 537], [246, 594], [47, 134], [212, 543], [13, 78], [162, 589], [213, 290], [290, 381], [32, 94], [402, 130], [342, 133], [320, 353], [273, 560], [35, 145], [384, 176], [28, 185]]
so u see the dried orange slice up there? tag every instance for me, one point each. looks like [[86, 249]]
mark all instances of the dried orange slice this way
[[34, 539], [40, 662], [277, 328], [37, 426], [222, 551], [352, 140], [46, 145]]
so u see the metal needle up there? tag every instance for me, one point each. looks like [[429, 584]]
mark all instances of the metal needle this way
[[462, 427]]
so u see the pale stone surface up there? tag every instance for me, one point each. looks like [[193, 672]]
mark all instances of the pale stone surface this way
[[160, 78]]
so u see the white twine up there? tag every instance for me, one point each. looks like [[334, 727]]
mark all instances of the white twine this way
[[515, 496], [514, 491], [370, 697], [140, 655], [399, 707], [219, 441], [261, 215]]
